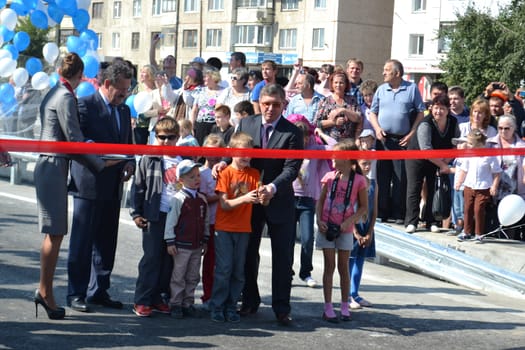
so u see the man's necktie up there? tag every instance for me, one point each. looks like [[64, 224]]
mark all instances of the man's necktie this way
[[266, 134], [113, 118]]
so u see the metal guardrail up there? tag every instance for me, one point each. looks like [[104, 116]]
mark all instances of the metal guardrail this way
[[446, 263]]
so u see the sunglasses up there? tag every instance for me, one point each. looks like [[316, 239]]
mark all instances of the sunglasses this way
[[234, 78], [166, 137]]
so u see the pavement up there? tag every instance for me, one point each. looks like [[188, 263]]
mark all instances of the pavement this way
[[411, 311]]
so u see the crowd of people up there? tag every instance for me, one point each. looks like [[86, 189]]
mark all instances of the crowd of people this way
[[194, 206]]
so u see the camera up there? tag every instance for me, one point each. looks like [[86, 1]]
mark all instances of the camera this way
[[497, 87], [333, 231]]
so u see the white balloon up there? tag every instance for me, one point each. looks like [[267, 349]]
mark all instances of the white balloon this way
[[20, 76], [7, 66], [50, 52], [511, 209], [40, 81], [1, 40], [9, 18], [142, 102], [5, 54], [83, 4]]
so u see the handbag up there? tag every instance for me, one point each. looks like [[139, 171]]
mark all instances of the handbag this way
[[442, 201]]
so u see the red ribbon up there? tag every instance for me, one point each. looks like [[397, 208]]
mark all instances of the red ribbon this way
[[34, 146]]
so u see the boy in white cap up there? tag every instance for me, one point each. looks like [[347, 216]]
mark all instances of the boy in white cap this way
[[186, 235]]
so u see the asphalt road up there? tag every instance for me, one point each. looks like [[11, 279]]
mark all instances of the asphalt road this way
[[410, 311]]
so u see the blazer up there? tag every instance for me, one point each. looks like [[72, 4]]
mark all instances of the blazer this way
[[280, 172], [96, 125], [60, 122]]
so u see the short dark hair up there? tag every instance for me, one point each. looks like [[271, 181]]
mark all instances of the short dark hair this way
[[273, 90], [239, 56], [214, 62], [442, 100], [457, 90], [244, 107], [438, 85], [116, 71]]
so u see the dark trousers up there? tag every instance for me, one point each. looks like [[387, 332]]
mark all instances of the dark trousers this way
[[208, 267], [92, 247], [475, 208], [201, 130], [391, 179], [305, 215], [282, 236], [141, 136], [417, 170], [155, 266]]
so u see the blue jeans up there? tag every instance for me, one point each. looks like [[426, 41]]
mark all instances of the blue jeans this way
[[356, 271], [458, 205], [305, 214], [228, 282]]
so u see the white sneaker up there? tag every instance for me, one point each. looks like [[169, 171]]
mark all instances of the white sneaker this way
[[410, 229], [310, 282], [434, 229], [354, 304]]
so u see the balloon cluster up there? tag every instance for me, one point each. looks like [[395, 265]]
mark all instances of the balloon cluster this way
[[44, 14]]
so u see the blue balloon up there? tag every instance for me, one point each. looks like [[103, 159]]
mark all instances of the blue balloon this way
[[91, 38], [2, 3], [13, 50], [39, 19], [7, 92], [55, 13], [53, 79], [69, 7], [85, 89], [33, 65], [129, 102], [19, 7], [30, 4], [21, 41], [90, 66], [81, 20], [76, 45], [6, 33]]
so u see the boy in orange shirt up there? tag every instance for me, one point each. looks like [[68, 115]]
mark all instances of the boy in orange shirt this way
[[237, 190]]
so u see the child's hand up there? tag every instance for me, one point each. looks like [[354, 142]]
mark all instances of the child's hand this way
[[251, 197], [172, 250], [323, 227], [493, 190], [457, 186], [140, 222], [345, 225]]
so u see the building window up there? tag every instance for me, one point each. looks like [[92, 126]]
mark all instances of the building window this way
[[189, 38], [419, 5], [169, 6], [320, 4], [213, 37], [98, 8], [156, 7], [169, 37], [135, 41], [191, 6], [251, 3], [318, 38], [416, 42], [289, 4], [99, 36], [445, 29], [137, 8], [287, 39], [115, 40], [216, 5], [253, 35], [117, 9]]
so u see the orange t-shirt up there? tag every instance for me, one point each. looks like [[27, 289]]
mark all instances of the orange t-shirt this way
[[235, 183]]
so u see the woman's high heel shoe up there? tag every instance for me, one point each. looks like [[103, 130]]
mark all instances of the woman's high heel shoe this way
[[53, 314]]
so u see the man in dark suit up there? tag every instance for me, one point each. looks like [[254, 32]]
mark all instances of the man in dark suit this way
[[271, 130], [104, 118]]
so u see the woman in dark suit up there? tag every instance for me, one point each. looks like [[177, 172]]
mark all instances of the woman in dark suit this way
[[60, 122]]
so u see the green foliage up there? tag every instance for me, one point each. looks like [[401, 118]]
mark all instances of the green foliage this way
[[38, 37], [484, 48]]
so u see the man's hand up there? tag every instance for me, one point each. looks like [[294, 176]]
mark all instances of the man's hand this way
[[172, 250], [217, 168], [140, 222], [128, 171]]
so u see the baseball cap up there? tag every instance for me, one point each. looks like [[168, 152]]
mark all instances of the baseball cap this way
[[186, 166], [366, 133], [199, 60]]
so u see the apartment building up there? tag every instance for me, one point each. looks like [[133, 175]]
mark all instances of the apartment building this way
[[415, 30], [319, 31]]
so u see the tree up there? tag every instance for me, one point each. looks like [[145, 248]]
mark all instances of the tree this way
[[484, 48]]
